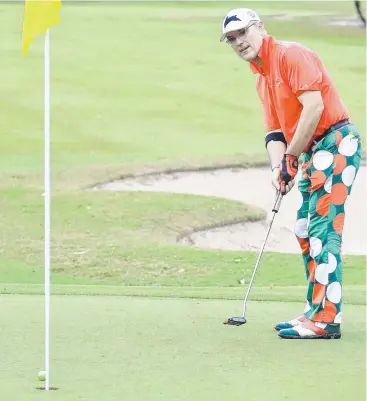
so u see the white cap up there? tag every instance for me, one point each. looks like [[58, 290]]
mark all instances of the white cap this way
[[238, 18]]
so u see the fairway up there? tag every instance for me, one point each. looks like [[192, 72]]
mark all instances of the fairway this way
[[115, 348], [139, 88]]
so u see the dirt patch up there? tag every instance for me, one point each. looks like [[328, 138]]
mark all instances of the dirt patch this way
[[251, 186]]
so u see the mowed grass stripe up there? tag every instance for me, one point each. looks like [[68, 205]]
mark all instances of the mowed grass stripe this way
[[352, 294]]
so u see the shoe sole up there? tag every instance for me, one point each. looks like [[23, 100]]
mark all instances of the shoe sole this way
[[334, 336]]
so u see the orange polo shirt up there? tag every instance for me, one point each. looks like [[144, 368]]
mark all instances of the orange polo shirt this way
[[288, 70]]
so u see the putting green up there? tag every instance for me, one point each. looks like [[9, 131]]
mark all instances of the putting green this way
[[115, 348]]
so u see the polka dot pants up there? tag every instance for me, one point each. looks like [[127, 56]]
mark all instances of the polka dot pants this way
[[328, 173]]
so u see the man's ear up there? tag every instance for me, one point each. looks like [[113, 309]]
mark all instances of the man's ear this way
[[262, 28]]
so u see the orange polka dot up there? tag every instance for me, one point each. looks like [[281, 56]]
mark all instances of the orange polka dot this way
[[318, 293], [305, 245], [311, 269], [305, 176], [340, 162], [318, 179], [338, 223], [339, 193], [338, 138], [323, 205], [328, 314]]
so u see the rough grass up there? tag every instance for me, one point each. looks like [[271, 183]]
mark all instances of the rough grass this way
[[179, 101]]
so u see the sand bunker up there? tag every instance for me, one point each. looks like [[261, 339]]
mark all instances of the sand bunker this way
[[251, 186]]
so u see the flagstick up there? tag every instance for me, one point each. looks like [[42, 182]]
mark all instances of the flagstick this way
[[47, 205]]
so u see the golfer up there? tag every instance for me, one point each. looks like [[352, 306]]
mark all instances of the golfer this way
[[304, 116]]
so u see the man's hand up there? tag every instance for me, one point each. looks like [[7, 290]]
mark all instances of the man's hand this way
[[287, 172], [275, 180]]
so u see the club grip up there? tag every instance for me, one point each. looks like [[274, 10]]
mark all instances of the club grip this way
[[277, 202]]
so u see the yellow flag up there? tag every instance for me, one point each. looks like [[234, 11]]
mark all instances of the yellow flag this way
[[39, 15]]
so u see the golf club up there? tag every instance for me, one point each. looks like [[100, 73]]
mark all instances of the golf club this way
[[239, 321]]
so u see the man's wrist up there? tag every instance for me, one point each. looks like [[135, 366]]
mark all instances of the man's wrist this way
[[291, 154]]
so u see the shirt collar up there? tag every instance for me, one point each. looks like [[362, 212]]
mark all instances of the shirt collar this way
[[264, 54]]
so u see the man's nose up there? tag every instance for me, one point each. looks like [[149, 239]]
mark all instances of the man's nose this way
[[239, 40]]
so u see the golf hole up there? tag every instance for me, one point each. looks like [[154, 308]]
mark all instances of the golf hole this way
[[49, 389]]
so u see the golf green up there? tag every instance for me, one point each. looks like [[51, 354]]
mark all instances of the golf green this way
[[113, 348]]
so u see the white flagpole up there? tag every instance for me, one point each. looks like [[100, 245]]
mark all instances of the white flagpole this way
[[47, 204]]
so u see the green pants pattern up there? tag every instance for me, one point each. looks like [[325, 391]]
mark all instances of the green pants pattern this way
[[328, 173]]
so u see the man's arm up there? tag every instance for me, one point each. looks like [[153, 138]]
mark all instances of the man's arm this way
[[301, 68], [276, 150], [275, 142], [313, 107]]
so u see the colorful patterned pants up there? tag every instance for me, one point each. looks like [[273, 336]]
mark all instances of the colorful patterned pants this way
[[328, 173]]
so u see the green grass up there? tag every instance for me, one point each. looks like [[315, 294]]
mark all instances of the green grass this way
[[144, 349], [353, 294], [194, 106], [131, 239], [136, 88]]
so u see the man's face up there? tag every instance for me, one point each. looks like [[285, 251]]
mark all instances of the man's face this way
[[247, 42]]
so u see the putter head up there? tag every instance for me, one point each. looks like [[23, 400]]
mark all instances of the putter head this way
[[235, 321]]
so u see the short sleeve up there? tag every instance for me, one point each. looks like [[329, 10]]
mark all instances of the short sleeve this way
[[303, 70], [270, 116]]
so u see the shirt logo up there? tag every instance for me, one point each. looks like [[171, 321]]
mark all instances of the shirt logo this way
[[232, 18], [277, 82]]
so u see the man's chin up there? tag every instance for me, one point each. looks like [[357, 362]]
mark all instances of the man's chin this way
[[247, 57]]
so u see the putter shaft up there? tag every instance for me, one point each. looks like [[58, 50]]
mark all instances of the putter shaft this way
[[275, 211]]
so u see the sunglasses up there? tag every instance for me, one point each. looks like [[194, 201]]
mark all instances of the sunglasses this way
[[241, 35]]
